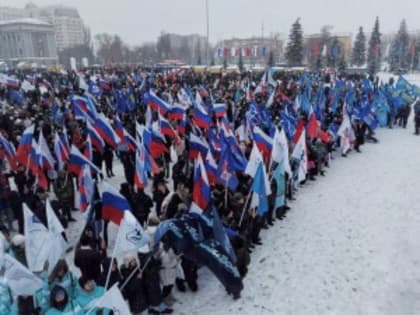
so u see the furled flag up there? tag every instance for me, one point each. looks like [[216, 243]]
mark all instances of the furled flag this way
[[58, 244], [220, 235], [113, 204], [201, 188], [131, 235], [37, 241]]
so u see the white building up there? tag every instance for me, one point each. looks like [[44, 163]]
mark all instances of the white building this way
[[68, 25]]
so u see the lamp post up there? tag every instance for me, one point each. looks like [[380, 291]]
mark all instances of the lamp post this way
[[208, 28]]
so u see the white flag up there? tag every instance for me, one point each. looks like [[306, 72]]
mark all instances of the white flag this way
[[130, 236], [299, 153], [254, 160], [20, 279], [37, 241], [58, 244], [280, 152], [113, 300], [26, 86]]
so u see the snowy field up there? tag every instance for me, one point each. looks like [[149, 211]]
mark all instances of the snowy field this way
[[349, 245]]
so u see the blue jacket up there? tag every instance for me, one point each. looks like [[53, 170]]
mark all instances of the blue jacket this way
[[69, 283], [42, 297], [6, 300], [72, 308], [83, 298]]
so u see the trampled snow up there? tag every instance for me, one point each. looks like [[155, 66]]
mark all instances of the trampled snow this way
[[349, 245]]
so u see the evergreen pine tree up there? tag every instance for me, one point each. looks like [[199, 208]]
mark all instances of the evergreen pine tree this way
[[358, 56], [270, 61], [398, 56], [212, 61], [240, 62], [374, 50], [294, 49], [342, 64]]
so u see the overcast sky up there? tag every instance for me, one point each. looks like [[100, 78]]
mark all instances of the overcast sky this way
[[138, 21]]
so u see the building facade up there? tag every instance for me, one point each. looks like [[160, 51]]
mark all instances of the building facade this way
[[27, 40], [315, 45], [254, 50], [67, 23]]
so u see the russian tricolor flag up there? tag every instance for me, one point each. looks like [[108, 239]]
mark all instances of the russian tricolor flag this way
[[201, 188], [312, 125], [201, 117], [157, 103], [219, 110], [106, 131], [25, 145], [211, 168], [86, 188], [46, 160], [61, 152], [197, 146], [140, 177], [9, 151], [88, 152], [113, 204], [166, 128], [77, 160], [177, 112], [263, 141], [97, 141]]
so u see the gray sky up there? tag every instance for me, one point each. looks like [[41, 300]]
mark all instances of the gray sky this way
[[138, 21]]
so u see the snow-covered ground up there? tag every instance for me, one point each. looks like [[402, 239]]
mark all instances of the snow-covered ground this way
[[349, 245]]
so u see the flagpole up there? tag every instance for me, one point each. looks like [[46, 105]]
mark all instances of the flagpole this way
[[125, 282], [110, 266], [245, 207]]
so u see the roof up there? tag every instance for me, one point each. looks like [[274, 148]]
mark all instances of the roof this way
[[25, 21]]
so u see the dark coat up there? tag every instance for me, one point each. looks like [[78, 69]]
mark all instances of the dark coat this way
[[89, 262], [134, 291]]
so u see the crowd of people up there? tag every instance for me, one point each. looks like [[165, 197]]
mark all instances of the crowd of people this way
[[209, 161]]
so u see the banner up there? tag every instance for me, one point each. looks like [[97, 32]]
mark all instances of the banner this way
[[21, 281]]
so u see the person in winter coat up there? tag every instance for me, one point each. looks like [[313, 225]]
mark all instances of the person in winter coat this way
[[160, 191], [64, 190], [61, 304], [87, 291], [115, 275], [63, 277], [143, 205], [108, 157], [88, 260], [170, 270], [417, 118], [134, 290]]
